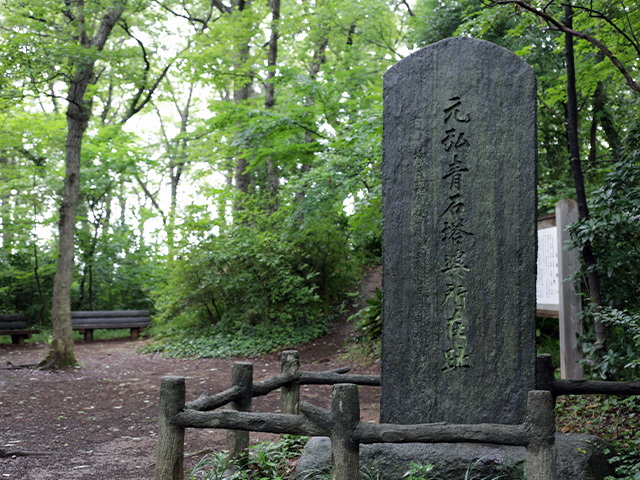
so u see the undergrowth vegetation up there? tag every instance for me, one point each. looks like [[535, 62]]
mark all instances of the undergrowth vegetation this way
[[368, 327], [278, 461], [218, 341], [615, 419], [265, 461]]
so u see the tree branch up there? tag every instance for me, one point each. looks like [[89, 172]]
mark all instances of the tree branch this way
[[152, 198], [557, 25], [404, 2], [597, 14], [106, 25], [221, 7], [562, 120]]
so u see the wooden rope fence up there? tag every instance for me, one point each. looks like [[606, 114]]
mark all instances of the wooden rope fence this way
[[342, 423]]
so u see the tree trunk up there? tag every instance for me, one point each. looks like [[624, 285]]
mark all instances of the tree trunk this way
[[270, 101], [242, 177], [602, 118], [576, 169], [61, 353], [5, 213], [242, 92]]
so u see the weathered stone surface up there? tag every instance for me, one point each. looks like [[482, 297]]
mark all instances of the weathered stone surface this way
[[459, 235], [579, 457]]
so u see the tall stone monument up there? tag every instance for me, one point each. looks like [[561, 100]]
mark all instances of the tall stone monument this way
[[459, 235]]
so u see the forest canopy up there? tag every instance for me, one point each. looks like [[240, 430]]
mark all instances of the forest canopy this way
[[218, 162]]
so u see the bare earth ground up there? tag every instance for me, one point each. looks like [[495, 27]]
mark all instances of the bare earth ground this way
[[99, 421]]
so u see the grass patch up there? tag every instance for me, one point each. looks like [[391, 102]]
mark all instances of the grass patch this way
[[362, 352]]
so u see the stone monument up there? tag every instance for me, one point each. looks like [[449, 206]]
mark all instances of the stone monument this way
[[458, 235], [459, 260]]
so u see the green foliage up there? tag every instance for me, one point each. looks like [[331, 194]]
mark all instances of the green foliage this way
[[368, 320], [366, 473], [621, 355], [418, 471], [627, 465], [266, 461], [243, 277], [612, 231], [548, 338], [474, 471]]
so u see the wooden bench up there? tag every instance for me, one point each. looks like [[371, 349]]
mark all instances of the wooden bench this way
[[16, 326], [89, 321]]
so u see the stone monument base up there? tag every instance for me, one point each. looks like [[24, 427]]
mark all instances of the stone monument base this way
[[579, 457]]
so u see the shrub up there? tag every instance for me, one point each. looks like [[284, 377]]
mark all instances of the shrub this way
[[612, 230]]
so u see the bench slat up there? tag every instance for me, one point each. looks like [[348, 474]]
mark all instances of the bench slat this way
[[110, 313], [108, 326], [13, 317], [18, 332], [12, 325], [115, 321]]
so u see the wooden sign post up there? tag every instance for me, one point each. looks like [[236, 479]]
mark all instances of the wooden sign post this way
[[557, 297]]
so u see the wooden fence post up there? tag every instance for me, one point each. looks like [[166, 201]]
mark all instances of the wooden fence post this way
[[290, 394], [170, 447], [544, 372], [541, 451], [345, 415], [237, 440]]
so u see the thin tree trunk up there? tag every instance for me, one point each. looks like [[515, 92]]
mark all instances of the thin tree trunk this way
[[319, 58], [90, 287], [177, 166], [593, 134], [36, 274], [576, 169], [36, 266], [602, 118], [242, 177]]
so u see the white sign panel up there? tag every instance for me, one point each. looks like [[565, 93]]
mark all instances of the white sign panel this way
[[547, 286]]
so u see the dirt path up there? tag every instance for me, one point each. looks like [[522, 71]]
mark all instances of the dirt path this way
[[98, 421]]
